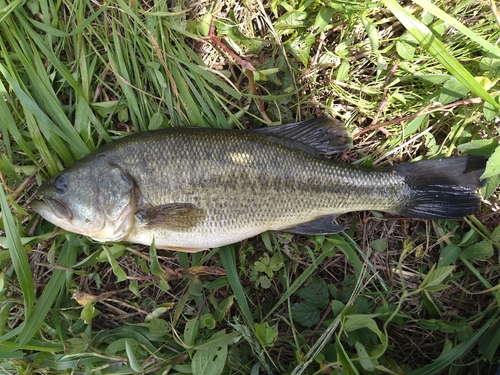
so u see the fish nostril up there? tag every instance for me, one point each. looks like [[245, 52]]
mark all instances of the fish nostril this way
[[61, 184]]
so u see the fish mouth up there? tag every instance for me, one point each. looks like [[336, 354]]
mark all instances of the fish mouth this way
[[53, 206]]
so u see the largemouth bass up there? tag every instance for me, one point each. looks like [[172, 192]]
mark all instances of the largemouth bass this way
[[191, 189]]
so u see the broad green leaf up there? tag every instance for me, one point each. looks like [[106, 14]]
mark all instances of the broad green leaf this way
[[451, 91], [300, 47], [479, 147], [191, 331], [337, 307], [195, 287], [479, 251], [495, 236], [305, 314], [156, 121], [490, 111], [449, 255], [469, 238], [405, 50], [434, 78], [263, 281], [265, 333], [114, 251], [379, 244], [134, 288], [428, 300], [357, 321], [159, 327], [343, 70], [315, 292], [436, 275], [208, 321], [223, 308], [210, 360], [493, 164], [363, 357], [117, 347], [491, 186], [429, 324], [131, 348], [220, 338]]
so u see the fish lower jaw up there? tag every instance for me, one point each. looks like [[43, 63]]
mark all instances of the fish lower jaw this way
[[115, 231], [106, 235]]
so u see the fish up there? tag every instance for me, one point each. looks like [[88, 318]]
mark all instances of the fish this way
[[191, 189]]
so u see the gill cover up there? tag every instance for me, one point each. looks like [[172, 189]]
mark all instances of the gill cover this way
[[115, 192], [116, 201]]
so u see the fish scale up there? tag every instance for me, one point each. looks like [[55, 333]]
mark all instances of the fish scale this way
[[272, 189], [190, 189]]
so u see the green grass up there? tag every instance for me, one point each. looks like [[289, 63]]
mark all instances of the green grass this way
[[388, 296]]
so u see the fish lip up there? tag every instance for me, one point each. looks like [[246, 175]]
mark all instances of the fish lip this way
[[38, 205], [55, 205]]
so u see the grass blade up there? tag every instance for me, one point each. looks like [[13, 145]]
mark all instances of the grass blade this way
[[446, 359], [459, 26], [228, 259], [438, 50], [18, 256], [57, 282], [300, 280]]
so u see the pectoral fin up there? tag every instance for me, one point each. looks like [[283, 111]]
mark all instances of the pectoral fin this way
[[173, 216], [322, 225]]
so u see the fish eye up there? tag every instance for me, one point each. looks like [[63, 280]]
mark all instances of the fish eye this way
[[61, 184]]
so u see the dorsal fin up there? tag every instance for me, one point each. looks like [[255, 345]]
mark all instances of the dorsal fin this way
[[324, 135]]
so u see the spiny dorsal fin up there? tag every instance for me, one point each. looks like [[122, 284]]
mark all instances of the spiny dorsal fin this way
[[324, 135]]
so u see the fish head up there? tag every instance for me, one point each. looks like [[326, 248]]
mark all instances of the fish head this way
[[96, 199]]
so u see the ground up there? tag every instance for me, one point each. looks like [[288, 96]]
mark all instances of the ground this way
[[389, 295]]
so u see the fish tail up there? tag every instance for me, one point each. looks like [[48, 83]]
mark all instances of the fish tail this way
[[445, 188]]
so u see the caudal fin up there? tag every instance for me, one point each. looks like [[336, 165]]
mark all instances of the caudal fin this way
[[445, 188]]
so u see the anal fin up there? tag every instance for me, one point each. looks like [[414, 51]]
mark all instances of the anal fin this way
[[321, 225]]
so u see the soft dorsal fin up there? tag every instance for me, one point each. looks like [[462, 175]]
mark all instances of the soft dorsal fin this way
[[324, 135]]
